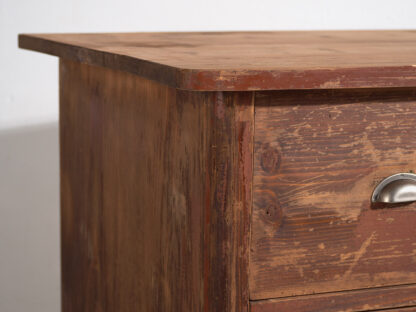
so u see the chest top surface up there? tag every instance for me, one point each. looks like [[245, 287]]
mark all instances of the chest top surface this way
[[241, 61]]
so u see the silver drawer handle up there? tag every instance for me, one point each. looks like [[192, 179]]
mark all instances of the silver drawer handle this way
[[397, 188]]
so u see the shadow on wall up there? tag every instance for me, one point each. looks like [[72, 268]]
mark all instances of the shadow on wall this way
[[29, 219]]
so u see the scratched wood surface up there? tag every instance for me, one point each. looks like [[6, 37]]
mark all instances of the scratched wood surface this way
[[407, 309], [242, 61], [156, 194], [317, 158], [360, 300]]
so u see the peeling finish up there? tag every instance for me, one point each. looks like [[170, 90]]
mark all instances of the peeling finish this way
[[332, 153], [334, 84]]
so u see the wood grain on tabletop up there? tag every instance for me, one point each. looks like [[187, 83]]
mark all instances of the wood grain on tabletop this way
[[156, 187], [360, 300], [242, 61], [317, 157]]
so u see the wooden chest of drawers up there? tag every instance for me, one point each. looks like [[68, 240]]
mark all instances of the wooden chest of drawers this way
[[236, 171]]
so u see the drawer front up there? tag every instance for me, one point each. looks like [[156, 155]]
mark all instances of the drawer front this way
[[359, 300], [317, 157]]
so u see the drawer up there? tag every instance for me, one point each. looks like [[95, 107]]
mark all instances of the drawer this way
[[318, 156], [375, 299]]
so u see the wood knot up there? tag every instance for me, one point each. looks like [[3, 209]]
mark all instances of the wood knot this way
[[273, 214], [270, 160]]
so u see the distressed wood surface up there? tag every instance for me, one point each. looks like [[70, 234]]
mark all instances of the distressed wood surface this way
[[240, 61], [317, 157], [155, 194], [361, 300], [408, 309]]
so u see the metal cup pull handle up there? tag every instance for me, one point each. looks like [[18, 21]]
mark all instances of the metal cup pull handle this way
[[395, 189]]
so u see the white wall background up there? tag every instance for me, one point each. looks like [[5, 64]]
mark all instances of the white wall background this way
[[29, 184]]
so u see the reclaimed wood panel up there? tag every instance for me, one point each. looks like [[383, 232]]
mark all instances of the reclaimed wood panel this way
[[317, 157], [155, 194], [241, 61], [361, 300]]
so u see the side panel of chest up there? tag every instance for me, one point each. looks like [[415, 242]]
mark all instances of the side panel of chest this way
[[155, 194]]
